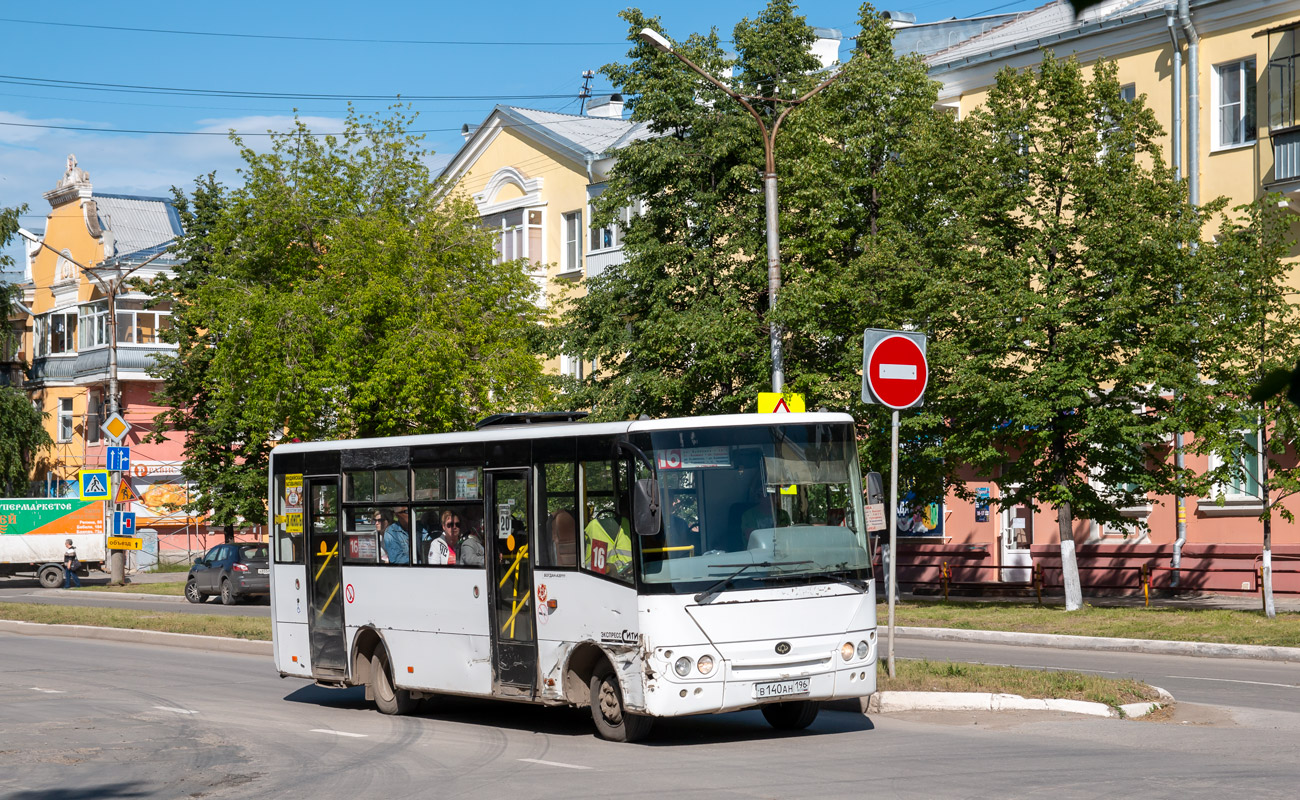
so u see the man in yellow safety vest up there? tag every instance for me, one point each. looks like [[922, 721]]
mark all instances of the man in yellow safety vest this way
[[609, 546]]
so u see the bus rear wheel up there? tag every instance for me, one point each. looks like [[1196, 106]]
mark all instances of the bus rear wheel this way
[[792, 716], [613, 721], [388, 698]]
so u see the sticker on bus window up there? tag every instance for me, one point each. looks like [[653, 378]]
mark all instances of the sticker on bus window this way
[[694, 458], [503, 520], [467, 483]]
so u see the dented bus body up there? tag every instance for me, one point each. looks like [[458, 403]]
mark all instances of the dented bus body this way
[[645, 569]]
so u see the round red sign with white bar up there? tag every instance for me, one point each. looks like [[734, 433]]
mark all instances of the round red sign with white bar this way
[[897, 371]]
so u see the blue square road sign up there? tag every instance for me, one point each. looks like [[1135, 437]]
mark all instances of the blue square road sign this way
[[119, 459]]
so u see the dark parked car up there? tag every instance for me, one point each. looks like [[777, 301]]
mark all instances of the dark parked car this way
[[233, 571]]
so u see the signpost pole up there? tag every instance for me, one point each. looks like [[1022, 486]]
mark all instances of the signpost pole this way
[[893, 533]]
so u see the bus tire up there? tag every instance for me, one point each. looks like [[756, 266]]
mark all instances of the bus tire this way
[[51, 576], [794, 715], [388, 698], [613, 721]]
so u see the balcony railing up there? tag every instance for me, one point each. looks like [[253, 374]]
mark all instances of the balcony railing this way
[[1286, 154]]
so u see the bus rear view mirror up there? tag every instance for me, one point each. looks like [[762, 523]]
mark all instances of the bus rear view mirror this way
[[645, 506], [875, 488]]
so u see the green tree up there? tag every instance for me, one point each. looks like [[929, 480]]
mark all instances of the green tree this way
[[1256, 334], [1044, 239], [22, 432], [334, 295], [681, 327]]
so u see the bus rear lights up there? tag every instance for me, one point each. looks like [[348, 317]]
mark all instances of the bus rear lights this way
[[846, 651], [682, 666], [705, 665], [863, 649]]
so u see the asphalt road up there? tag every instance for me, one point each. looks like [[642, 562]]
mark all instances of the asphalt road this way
[[22, 590], [85, 719]]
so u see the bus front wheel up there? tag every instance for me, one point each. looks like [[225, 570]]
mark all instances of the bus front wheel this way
[[613, 721], [388, 698], [791, 716]]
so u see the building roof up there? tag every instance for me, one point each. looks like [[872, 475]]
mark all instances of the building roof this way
[[139, 226], [1040, 26], [925, 38]]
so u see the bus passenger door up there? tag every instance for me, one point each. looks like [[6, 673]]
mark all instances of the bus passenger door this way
[[509, 554], [324, 580]]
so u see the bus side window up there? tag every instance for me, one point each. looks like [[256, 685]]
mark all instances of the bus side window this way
[[559, 536], [607, 536]]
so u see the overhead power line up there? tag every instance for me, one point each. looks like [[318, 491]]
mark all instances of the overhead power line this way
[[53, 83], [343, 39]]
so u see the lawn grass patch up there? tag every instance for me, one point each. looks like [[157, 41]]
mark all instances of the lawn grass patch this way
[[943, 676], [256, 628], [170, 566], [1218, 625], [173, 589]]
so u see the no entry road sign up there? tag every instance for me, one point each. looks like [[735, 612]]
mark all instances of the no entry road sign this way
[[894, 368]]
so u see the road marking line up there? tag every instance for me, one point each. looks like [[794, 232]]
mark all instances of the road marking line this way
[[553, 763], [341, 733], [175, 710], [47, 691], [1050, 669], [1230, 680]]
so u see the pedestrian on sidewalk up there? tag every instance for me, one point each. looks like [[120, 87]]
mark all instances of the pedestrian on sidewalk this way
[[71, 564]]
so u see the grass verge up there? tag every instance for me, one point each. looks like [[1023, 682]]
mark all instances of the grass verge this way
[[257, 628], [943, 676], [173, 589], [1217, 625], [171, 566]]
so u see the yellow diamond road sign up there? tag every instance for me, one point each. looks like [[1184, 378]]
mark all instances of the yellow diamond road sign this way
[[116, 427]]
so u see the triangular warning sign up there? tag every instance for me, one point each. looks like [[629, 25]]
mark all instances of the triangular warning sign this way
[[95, 486], [125, 494], [781, 407]]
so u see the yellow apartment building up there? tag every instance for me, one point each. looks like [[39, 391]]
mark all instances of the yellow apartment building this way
[[1220, 75], [533, 176]]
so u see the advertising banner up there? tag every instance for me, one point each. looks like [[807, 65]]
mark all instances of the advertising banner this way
[[65, 517]]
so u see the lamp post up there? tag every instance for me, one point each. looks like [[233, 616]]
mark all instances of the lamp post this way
[[110, 287], [657, 40]]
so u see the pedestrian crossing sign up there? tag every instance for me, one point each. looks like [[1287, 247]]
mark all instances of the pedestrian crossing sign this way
[[93, 484]]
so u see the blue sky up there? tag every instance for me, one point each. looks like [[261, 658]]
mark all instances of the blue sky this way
[[535, 55]]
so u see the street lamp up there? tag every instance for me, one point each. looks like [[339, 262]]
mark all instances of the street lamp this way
[[659, 42]]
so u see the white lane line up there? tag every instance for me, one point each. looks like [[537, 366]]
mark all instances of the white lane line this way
[[341, 733], [553, 763], [1049, 669], [175, 710], [1230, 680], [47, 691]]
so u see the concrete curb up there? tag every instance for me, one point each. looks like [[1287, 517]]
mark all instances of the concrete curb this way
[[176, 598], [218, 644], [1155, 646], [885, 702]]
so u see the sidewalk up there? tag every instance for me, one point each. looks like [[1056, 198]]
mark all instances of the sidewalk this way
[[1283, 603]]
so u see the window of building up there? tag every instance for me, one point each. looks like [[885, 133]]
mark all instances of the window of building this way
[[1241, 490], [572, 366], [65, 419], [1282, 80], [94, 418], [516, 234], [138, 325], [1234, 107], [94, 325], [605, 237], [571, 253], [55, 333]]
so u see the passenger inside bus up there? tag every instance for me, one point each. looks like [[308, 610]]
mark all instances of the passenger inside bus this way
[[396, 541]]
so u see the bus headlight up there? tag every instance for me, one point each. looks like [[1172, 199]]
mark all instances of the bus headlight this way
[[682, 666], [846, 651], [863, 649], [705, 665]]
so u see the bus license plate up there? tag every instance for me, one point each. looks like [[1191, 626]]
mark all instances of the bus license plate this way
[[782, 688]]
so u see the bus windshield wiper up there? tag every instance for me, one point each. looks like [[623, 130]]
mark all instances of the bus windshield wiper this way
[[717, 588]]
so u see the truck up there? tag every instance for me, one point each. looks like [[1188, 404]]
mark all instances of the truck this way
[[34, 532]]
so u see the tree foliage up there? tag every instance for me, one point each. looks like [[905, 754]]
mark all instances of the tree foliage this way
[[681, 326], [1047, 245], [333, 295], [22, 429]]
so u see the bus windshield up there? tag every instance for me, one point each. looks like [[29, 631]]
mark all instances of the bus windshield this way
[[783, 501]]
